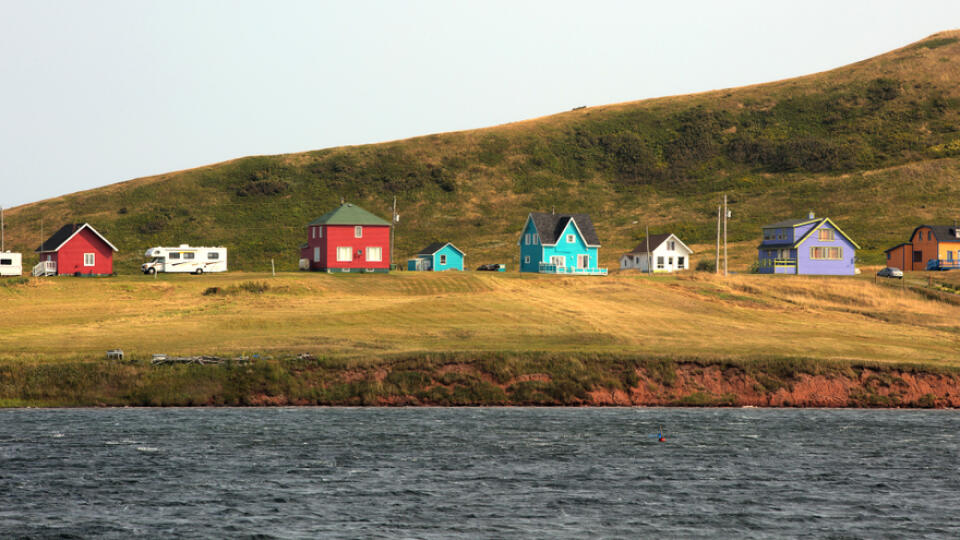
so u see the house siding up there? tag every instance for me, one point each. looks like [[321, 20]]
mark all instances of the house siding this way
[[570, 250], [336, 236], [924, 242], [845, 266], [69, 258], [531, 252], [454, 259], [900, 257]]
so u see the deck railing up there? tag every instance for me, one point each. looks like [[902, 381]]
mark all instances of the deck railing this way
[[548, 268], [45, 268], [784, 262]]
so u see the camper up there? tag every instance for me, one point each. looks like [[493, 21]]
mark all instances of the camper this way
[[11, 264], [194, 260]]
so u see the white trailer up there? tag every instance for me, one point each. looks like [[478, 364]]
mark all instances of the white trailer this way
[[11, 264], [193, 260]]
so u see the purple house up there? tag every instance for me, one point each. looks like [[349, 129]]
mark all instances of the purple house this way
[[813, 246]]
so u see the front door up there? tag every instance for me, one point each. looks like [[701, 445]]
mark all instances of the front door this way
[[559, 261], [583, 261]]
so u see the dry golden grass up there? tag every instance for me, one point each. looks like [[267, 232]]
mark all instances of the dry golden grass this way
[[691, 315]]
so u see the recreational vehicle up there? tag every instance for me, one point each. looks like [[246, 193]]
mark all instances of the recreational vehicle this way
[[11, 264], [194, 260]]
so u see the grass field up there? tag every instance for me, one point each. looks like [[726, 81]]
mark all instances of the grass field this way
[[367, 317]]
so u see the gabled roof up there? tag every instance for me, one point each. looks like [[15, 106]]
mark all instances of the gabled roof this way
[[943, 233], [897, 246], [348, 214], [655, 241], [551, 226], [823, 221], [65, 233], [435, 247]]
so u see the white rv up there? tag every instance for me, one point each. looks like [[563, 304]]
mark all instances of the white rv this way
[[11, 264], [194, 260]]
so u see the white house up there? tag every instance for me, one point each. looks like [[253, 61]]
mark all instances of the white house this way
[[669, 254]]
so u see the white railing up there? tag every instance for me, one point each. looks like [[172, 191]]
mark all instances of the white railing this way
[[45, 268], [548, 268]]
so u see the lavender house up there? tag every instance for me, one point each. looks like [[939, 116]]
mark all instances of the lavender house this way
[[814, 246]]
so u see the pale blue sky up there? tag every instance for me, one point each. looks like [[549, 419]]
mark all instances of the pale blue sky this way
[[97, 92]]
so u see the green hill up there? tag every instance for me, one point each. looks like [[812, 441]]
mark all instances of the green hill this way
[[872, 145]]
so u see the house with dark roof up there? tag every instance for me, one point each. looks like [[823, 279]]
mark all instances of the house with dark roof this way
[[437, 257], [666, 254], [76, 249], [812, 246], [347, 239], [559, 244], [931, 247]]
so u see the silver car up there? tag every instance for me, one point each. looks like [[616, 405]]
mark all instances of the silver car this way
[[891, 273]]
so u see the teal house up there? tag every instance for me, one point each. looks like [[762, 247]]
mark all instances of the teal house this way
[[437, 257], [560, 244]]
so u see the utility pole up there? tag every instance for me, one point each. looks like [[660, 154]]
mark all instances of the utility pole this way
[[716, 266], [649, 255], [393, 225], [725, 215], [1, 229]]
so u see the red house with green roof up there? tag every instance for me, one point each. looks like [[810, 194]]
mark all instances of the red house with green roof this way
[[348, 239]]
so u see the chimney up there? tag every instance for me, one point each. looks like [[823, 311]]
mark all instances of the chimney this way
[[811, 215]]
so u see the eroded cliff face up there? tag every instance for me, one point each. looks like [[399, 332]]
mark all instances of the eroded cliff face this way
[[696, 385]]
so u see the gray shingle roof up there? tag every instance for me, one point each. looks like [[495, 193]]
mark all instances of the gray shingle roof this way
[[655, 241], [550, 226], [64, 233], [943, 233]]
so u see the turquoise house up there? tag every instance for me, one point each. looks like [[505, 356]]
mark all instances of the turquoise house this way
[[437, 257], [560, 244]]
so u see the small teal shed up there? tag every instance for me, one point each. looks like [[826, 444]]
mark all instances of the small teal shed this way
[[437, 257]]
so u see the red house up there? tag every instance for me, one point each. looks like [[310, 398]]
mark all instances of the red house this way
[[75, 249], [348, 239]]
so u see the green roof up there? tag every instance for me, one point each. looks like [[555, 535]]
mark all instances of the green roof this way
[[348, 214]]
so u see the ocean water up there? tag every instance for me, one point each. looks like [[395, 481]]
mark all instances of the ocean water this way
[[479, 473]]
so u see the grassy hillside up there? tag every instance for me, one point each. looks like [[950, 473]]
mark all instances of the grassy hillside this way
[[371, 317], [873, 145]]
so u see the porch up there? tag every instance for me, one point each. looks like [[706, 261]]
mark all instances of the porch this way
[[45, 268], [548, 268]]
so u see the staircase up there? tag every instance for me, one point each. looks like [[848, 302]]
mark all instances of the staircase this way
[[45, 268]]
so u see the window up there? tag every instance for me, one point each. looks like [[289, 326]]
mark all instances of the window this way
[[374, 254], [660, 262], [826, 235], [212, 255], [358, 232], [344, 254], [189, 255], [6, 262], [917, 256], [443, 259], [174, 256], [313, 232], [949, 256], [559, 261], [89, 259], [826, 253], [526, 239], [780, 234], [680, 263], [319, 232], [671, 245], [670, 261], [929, 235], [316, 254], [526, 259], [570, 239], [583, 261], [536, 238]]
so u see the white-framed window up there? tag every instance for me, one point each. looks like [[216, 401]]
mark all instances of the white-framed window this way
[[536, 238], [313, 232], [660, 262], [559, 261], [374, 254], [316, 254], [680, 263], [526, 259], [583, 261], [670, 261], [358, 232], [319, 232], [671, 245], [526, 239], [89, 259], [571, 239], [443, 259], [344, 254]]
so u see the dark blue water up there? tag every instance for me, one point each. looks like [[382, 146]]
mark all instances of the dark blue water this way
[[479, 473]]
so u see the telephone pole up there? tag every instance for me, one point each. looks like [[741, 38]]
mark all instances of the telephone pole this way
[[649, 255], [393, 225], [726, 213]]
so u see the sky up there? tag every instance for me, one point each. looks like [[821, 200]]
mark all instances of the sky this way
[[98, 92]]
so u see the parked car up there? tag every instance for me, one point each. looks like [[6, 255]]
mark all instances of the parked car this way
[[492, 268], [891, 273]]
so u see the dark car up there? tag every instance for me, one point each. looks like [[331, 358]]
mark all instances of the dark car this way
[[491, 268], [891, 273]]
